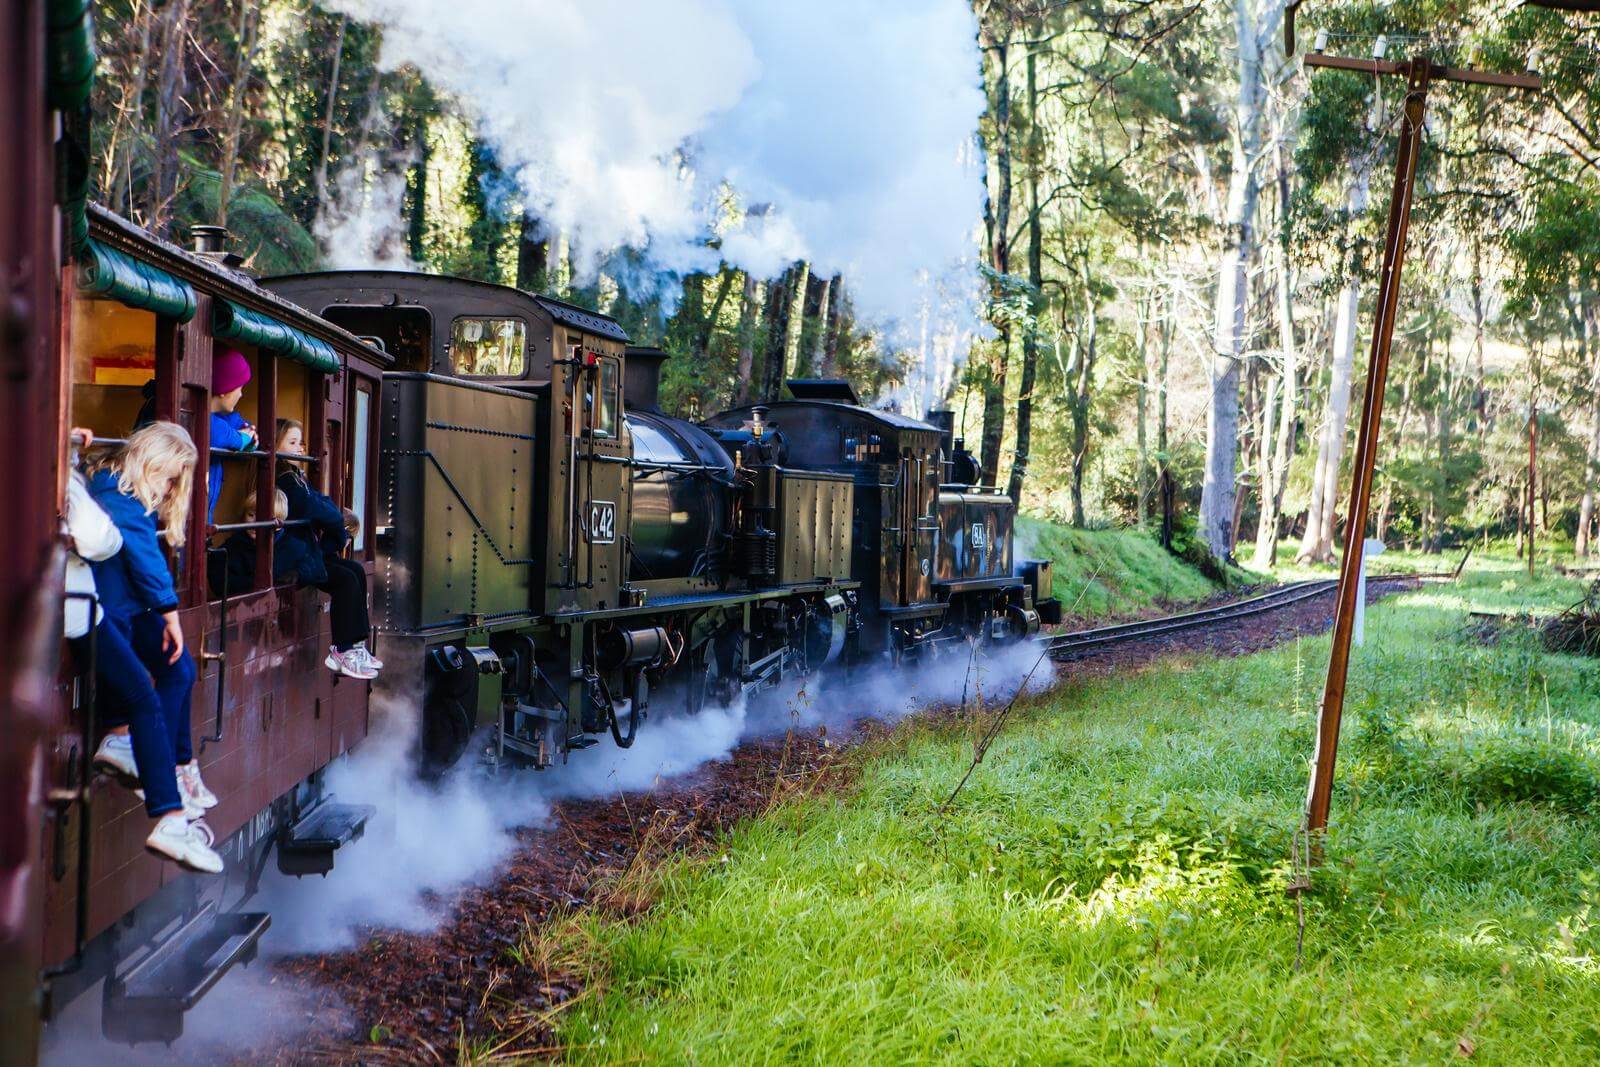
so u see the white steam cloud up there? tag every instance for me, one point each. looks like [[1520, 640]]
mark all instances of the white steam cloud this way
[[359, 224], [844, 131], [427, 840]]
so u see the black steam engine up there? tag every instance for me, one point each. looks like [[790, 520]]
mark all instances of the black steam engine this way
[[557, 554]]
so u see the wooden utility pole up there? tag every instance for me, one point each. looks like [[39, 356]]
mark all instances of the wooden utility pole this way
[[1420, 73]]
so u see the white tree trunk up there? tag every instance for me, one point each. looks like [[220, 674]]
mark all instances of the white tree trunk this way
[[1582, 545], [1254, 30], [1318, 541]]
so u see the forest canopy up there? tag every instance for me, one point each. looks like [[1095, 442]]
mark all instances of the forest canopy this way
[[1172, 232]]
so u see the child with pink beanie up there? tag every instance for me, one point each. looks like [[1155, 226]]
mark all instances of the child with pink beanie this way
[[230, 373]]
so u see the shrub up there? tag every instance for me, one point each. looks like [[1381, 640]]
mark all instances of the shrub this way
[[1529, 769]]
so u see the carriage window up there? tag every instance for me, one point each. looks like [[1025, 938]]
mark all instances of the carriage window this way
[[489, 348], [360, 422]]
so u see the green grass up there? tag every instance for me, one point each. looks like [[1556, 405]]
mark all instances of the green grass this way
[[1114, 572], [1108, 888]]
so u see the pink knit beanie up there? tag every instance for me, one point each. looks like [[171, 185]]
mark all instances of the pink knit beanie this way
[[229, 371]]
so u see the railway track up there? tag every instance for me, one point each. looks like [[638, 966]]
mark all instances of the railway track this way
[[1065, 646]]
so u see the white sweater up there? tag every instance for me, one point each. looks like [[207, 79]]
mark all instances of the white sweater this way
[[94, 537]]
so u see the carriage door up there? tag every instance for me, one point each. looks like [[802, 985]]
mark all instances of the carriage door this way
[[921, 479]]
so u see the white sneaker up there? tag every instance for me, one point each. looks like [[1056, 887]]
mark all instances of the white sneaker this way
[[180, 842], [367, 657], [115, 754], [349, 663], [191, 786], [192, 808]]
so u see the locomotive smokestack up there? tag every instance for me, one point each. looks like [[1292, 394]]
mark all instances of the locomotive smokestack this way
[[945, 419], [641, 388], [208, 240]]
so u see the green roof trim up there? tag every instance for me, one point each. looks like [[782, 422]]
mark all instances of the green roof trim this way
[[72, 58], [233, 322], [105, 272]]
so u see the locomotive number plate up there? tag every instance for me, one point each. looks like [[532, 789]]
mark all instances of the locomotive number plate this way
[[602, 522], [980, 536]]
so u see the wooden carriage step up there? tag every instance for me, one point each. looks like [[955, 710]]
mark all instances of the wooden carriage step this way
[[148, 1002], [309, 846]]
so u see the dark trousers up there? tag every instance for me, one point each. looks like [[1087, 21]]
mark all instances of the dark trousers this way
[[346, 587], [144, 692]]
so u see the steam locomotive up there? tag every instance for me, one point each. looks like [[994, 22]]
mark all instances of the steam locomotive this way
[[553, 557], [557, 555]]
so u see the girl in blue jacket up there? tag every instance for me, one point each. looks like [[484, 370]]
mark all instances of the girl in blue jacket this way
[[145, 489]]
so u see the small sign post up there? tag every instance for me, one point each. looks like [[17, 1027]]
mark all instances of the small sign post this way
[[1372, 547]]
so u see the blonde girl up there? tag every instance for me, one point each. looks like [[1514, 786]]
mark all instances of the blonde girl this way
[[145, 489]]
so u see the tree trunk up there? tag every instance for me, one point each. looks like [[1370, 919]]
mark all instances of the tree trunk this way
[[818, 362], [828, 365], [1318, 542], [794, 324], [777, 314], [749, 315], [1030, 341], [1233, 289], [1141, 417], [122, 159], [1275, 470], [417, 189], [1164, 481], [997, 223], [533, 256], [1583, 543], [992, 434], [327, 114], [1079, 381], [171, 84]]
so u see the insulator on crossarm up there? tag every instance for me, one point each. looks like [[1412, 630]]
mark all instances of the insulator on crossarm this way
[[1380, 47]]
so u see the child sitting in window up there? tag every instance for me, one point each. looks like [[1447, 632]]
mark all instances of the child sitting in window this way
[[230, 373], [232, 571], [345, 581], [142, 670]]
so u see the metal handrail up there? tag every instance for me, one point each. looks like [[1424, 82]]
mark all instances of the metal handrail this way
[[231, 527], [219, 657]]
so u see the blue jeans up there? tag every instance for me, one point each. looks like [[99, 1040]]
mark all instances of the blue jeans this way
[[149, 696], [174, 682]]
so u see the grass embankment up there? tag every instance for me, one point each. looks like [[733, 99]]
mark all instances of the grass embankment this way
[[1109, 886], [1115, 572]]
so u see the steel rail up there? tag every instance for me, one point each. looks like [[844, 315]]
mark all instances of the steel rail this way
[[1065, 644]]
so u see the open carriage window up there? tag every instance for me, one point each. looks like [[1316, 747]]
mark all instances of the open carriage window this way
[[489, 348], [113, 367]]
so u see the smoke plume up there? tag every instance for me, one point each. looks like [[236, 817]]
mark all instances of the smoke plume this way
[[834, 132]]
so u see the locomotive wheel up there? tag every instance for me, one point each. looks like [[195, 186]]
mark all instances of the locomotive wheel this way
[[446, 731]]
